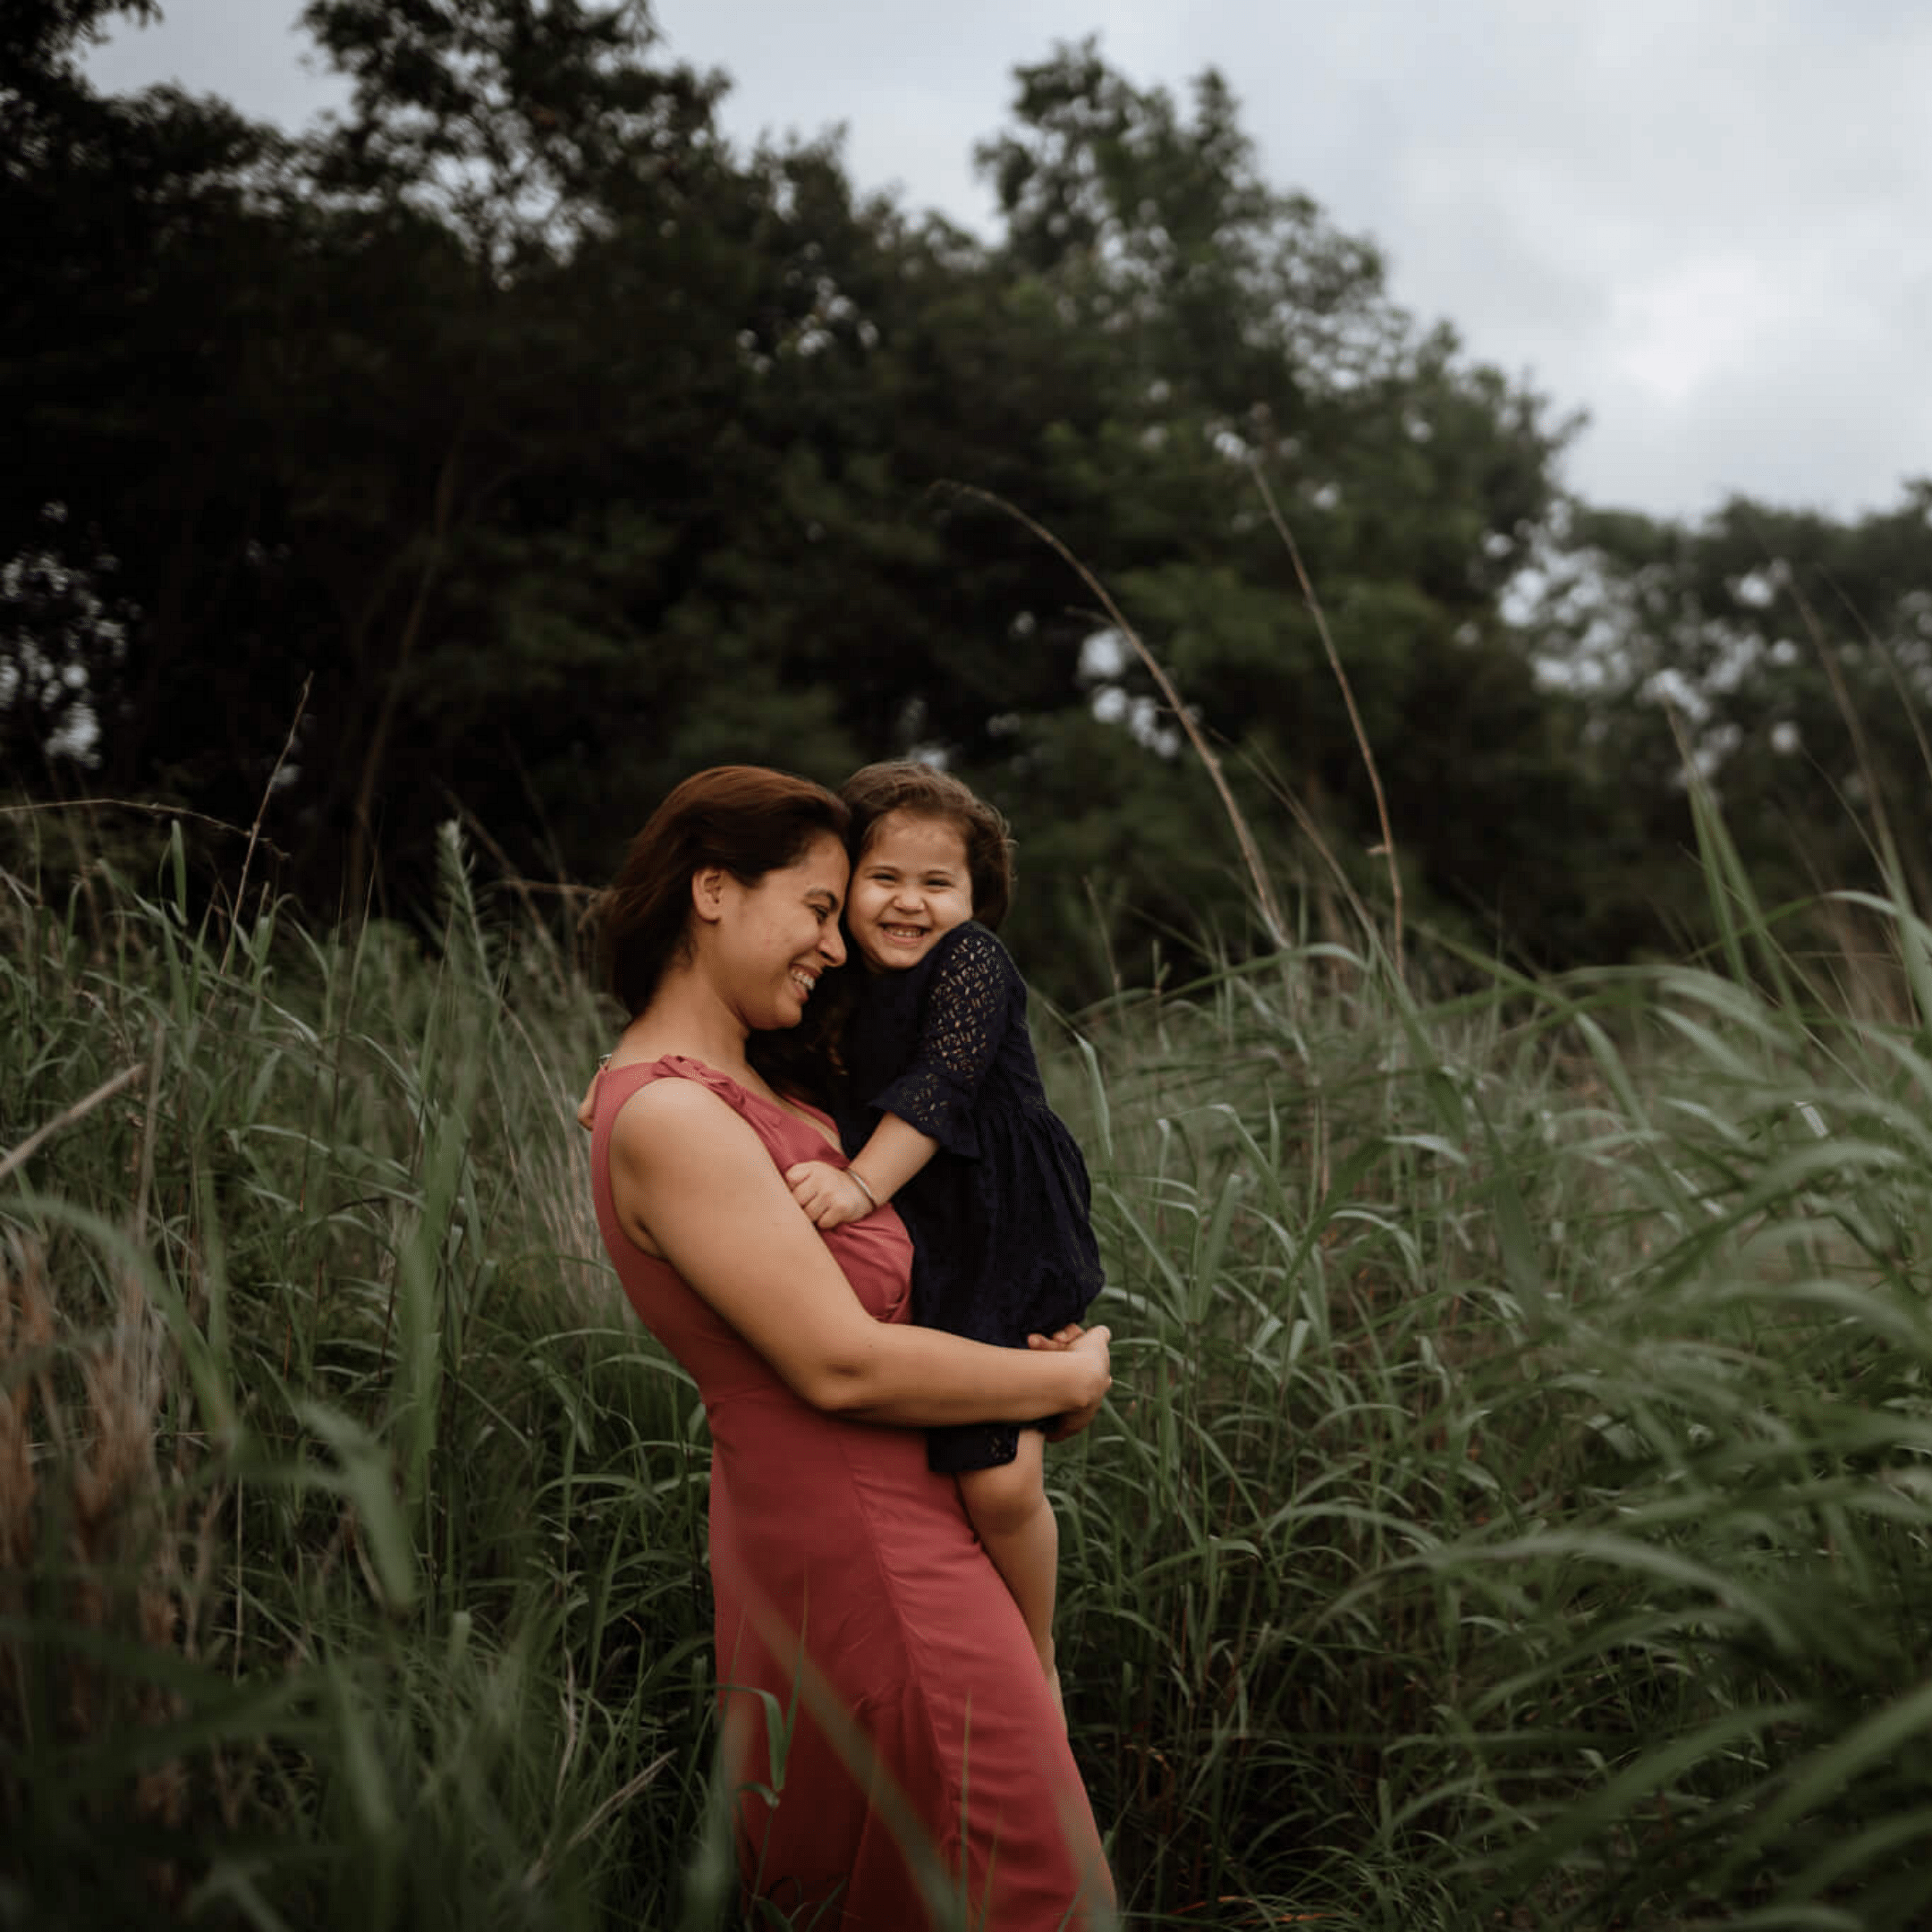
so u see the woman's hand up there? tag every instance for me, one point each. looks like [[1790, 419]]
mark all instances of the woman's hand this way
[[829, 1195], [1091, 1342]]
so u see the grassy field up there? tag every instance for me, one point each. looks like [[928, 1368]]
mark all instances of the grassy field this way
[[1512, 1510]]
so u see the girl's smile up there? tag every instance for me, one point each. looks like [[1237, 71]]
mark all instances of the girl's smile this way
[[911, 887]]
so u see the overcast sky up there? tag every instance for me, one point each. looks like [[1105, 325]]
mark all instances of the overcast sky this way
[[1706, 223]]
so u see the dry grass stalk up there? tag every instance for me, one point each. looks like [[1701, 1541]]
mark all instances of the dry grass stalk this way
[[78, 1111], [1348, 698], [147, 807], [247, 857], [26, 1333], [1266, 903], [88, 1536]]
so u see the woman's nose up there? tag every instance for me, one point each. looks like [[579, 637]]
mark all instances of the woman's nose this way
[[832, 944]]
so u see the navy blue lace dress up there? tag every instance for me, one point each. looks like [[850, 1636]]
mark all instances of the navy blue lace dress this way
[[1003, 1242]]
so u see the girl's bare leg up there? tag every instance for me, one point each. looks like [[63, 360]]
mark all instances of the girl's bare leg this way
[[1009, 1508]]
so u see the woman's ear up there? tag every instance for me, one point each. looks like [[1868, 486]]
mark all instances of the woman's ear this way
[[708, 892]]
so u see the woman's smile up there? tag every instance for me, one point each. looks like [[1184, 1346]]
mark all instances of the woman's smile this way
[[783, 934]]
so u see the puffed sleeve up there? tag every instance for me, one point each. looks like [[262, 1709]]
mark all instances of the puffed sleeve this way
[[968, 1007]]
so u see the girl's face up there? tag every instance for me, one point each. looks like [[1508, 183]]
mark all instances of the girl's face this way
[[776, 936], [910, 886]]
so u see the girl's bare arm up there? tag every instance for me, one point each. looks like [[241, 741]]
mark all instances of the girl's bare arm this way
[[831, 1196]]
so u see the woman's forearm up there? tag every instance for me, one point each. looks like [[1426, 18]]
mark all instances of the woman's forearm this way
[[923, 1377], [679, 1154]]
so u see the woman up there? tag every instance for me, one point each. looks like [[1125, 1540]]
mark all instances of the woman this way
[[887, 1725]]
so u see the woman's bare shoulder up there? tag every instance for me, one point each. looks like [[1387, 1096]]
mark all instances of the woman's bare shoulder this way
[[662, 1111]]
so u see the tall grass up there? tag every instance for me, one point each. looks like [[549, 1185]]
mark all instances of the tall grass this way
[[1513, 1507], [411, 1517]]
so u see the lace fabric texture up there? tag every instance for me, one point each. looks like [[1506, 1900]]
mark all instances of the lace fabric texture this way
[[960, 1026], [1000, 1216]]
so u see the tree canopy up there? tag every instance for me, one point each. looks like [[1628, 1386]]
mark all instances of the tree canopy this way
[[522, 445]]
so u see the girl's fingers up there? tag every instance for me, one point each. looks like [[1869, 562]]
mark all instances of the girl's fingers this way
[[1063, 1337]]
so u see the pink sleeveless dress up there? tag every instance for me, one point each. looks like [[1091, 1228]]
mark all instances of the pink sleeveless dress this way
[[888, 1727]]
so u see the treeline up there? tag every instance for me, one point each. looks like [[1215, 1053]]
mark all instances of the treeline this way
[[524, 444]]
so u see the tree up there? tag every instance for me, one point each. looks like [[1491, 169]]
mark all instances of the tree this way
[[124, 272], [552, 448], [63, 647], [1245, 336], [41, 91], [1790, 652]]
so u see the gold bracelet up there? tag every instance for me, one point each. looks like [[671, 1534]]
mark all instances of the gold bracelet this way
[[863, 1189]]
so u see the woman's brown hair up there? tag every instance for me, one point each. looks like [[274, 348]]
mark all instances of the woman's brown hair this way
[[746, 819], [903, 784]]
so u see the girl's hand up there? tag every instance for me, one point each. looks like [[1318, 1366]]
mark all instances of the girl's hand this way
[[1091, 1342], [1061, 1338], [829, 1196]]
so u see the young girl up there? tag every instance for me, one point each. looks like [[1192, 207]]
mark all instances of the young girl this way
[[947, 1120]]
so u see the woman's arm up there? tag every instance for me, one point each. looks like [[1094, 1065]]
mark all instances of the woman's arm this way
[[691, 1178]]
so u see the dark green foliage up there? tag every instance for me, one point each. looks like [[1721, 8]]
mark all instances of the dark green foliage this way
[[1787, 655], [554, 449], [535, 448]]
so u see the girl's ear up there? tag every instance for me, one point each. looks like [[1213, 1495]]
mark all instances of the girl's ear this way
[[707, 893]]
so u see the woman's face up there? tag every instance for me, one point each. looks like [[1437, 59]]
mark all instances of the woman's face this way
[[780, 932]]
